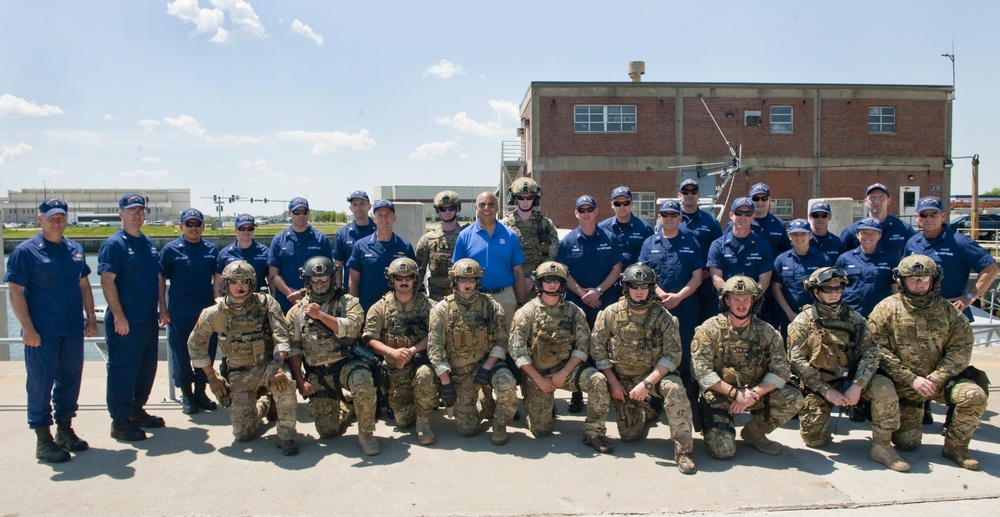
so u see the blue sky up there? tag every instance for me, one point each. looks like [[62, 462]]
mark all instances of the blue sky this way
[[284, 98]]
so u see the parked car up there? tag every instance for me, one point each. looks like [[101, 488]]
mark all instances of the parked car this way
[[989, 224]]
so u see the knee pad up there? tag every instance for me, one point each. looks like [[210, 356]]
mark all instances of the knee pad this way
[[721, 444], [503, 380], [968, 394], [359, 376], [907, 440]]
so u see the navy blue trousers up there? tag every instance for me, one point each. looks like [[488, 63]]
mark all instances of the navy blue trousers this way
[[54, 372], [131, 366], [177, 336]]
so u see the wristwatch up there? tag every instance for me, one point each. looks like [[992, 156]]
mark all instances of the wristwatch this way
[[970, 297], [647, 384], [599, 290]]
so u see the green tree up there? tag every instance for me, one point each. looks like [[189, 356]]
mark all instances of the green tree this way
[[992, 192]]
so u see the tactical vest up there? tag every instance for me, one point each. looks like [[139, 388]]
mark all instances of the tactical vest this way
[[247, 338], [535, 240], [633, 347], [834, 343], [319, 345], [469, 337], [553, 334], [742, 362], [402, 329], [440, 247]]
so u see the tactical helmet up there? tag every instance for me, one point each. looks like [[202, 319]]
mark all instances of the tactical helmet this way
[[237, 271], [549, 269], [317, 266], [448, 198], [639, 274], [740, 284], [523, 186], [403, 266], [465, 268], [824, 275], [918, 265]]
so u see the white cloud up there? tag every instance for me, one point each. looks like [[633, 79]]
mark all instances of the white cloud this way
[[151, 159], [505, 124], [303, 179], [305, 30], [330, 142], [213, 20], [435, 150], [13, 151], [49, 172], [189, 125], [107, 116], [144, 174], [11, 106], [444, 69], [263, 172], [149, 124]]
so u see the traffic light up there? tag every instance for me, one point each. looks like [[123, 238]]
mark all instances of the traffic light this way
[[215, 198], [232, 199], [251, 201], [265, 200]]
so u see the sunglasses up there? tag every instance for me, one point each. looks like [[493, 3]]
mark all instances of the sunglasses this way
[[741, 213], [622, 203], [404, 278], [301, 211], [486, 205], [447, 209], [819, 215], [925, 215], [831, 288], [246, 228], [640, 287], [524, 198], [241, 282], [192, 224], [551, 279], [687, 192], [761, 198], [585, 210], [670, 215]]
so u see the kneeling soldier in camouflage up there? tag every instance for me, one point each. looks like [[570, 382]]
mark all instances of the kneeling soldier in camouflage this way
[[467, 344], [396, 328], [254, 339], [326, 327], [637, 344], [741, 365], [835, 361], [550, 341], [926, 346]]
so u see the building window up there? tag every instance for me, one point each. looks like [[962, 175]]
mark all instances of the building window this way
[[860, 210], [781, 119], [603, 119], [881, 120], [782, 207], [644, 206]]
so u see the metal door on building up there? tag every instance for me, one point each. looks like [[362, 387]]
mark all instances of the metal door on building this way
[[908, 197]]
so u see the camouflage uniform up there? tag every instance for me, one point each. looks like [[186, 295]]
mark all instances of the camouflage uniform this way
[[633, 345], [743, 358], [249, 337], [434, 251], [831, 349], [327, 367], [462, 335], [539, 239], [546, 337], [931, 339], [413, 388]]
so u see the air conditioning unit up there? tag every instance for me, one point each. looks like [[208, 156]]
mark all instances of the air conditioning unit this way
[[751, 118]]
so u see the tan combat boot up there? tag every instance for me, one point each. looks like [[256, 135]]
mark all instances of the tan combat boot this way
[[499, 434], [885, 454], [753, 434], [959, 453], [369, 445], [424, 433], [599, 442], [685, 461]]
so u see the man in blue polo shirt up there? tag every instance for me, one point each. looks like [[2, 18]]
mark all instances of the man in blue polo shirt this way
[[359, 228], [739, 251], [189, 263], [498, 250], [869, 269], [129, 265], [895, 233], [955, 252], [630, 230], [676, 258], [822, 240], [290, 249], [244, 248], [705, 229], [49, 292], [373, 254]]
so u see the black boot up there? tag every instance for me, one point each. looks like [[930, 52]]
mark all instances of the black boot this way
[[576, 402], [188, 405], [141, 418], [201, 398], [126, 430], [67, 438], [46, 449], [928, 416]]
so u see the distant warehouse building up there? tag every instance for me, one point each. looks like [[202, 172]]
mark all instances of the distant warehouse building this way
[[804, 140], [21, 206], [425, 194]]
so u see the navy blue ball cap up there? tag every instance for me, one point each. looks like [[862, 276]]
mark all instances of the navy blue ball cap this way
[[760, 188], [245, 219], [130, 200], [384, 203], [819, 206], [799, 226], [585, 200], [621, 191], [297, 202], [743, 202], [192, 213], [877, 186], [358, 194], [929, 203], [870, 223], [52, 206], [670, 205]]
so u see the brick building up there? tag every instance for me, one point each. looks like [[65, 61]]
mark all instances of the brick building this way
[[804, 140]]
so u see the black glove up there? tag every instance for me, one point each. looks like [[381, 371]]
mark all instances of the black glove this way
[[448, 395], [483, 376]]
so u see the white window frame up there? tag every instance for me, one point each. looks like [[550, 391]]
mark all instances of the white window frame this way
[[604, 118], [644, 206], [881, 119], [782, 122], [783, 207]]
